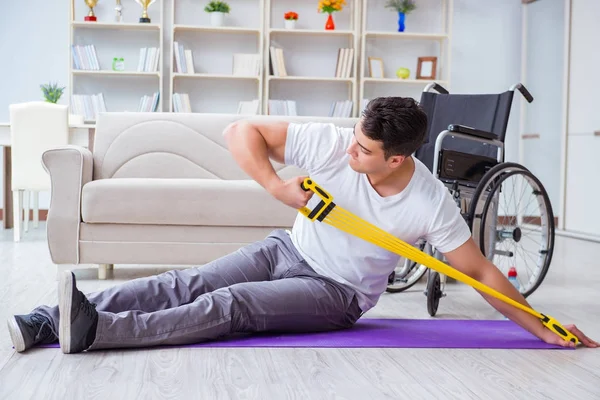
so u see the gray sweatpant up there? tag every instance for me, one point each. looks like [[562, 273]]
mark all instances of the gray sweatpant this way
[[264, 286]]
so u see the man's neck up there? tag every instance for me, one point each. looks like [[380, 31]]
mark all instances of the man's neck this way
[[394, 183]]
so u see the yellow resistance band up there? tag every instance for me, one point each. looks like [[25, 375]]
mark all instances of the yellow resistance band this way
[[328, 212]]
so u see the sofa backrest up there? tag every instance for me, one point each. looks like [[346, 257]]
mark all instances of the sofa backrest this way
[[176, 145]]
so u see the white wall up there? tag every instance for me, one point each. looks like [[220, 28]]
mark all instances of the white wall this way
[[544, 70], [34, 37], [485, 51], [486, 54]]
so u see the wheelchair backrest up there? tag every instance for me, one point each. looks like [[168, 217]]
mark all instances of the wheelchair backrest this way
[[488, 112]]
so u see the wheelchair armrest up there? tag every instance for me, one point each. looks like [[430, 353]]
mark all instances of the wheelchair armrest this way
[[467, 130]]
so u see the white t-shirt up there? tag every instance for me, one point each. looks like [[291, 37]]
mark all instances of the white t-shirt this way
[[424, 209]]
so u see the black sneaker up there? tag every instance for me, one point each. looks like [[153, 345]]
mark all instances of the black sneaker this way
[[28, 330], [78, 317]]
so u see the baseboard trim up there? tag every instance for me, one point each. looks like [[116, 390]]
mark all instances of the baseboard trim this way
[[43, 215], [576, 235]]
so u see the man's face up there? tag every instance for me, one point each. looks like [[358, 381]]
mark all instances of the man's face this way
[[367, 155]]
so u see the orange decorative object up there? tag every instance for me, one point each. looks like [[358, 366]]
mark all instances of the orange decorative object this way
[[291, 15], [330, 25]]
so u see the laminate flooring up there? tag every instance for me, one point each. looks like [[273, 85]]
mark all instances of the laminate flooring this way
[[570, 293]]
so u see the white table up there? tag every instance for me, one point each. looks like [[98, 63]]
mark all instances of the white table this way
[[81, 135]]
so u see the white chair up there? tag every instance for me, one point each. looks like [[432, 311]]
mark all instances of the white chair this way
[[35, 127]]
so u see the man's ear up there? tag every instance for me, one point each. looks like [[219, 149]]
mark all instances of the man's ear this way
[[396, 161]]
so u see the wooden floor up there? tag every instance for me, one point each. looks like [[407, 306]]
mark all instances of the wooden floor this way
[[571, 293]]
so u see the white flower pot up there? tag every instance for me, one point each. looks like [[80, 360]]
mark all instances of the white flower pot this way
[[216, 18], [290, 24]]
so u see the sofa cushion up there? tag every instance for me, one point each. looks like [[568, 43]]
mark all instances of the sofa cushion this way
[[208, 202]]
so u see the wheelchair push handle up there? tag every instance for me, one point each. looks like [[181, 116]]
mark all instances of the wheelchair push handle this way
[[524, 92]]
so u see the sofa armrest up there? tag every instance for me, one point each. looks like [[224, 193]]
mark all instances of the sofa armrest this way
[[70, 168]]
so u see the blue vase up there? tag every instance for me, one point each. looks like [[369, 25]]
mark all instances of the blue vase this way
[[401, 26]]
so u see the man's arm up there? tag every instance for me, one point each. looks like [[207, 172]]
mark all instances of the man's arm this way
[[252, 144], [469, 260]]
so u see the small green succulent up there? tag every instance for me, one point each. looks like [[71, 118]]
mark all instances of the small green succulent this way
[[404, 6], [217, 6]]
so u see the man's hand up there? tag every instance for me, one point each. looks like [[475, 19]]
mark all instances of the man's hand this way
[[469, 260], [290, 193], [552, 338]]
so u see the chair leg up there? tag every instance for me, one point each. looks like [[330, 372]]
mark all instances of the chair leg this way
[[26, 210], [17, 211], [36, 209]]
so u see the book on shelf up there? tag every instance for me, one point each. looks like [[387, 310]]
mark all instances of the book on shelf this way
[[364, 103], [88, 105], [345, 62], [248, 107], [282, 107], [149, 59], [149, 103], [85, 57], [277, 62], [184, 60], [341, 109], [181, 103], [246, 64]]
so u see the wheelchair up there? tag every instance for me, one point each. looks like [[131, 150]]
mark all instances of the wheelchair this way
[[505, 206]]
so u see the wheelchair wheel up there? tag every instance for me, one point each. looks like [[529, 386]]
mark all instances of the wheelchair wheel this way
[[434, 292], [512, 215], [407, 275]]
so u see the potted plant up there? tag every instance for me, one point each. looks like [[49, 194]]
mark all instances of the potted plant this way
[[290, 19], [329, 7], [403, 7], [52, 92], [217, 11]]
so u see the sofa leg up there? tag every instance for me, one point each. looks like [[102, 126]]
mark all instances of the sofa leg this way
[[110, 266], [102, 270]]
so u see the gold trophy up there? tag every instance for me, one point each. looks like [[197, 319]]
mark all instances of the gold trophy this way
[[91, 4], [145, 4]]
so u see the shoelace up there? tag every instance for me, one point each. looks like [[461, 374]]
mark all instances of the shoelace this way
[[45, 327], [88, 308]]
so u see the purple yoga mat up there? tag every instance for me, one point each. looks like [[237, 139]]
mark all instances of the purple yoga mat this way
[[399, 333]]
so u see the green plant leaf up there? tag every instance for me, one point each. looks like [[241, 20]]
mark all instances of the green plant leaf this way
[[217, 6], [52, 93]]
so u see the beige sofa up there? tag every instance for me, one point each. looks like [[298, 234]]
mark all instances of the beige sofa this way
[[159, 188]]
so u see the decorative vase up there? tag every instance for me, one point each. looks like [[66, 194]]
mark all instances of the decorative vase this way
[[290, 24], [401, 17], [216, 18], [330, 25]]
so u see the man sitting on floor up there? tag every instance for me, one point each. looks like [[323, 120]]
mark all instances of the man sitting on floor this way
[[315, 278]]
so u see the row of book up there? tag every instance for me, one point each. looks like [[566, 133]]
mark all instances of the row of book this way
[[246, 64], [88, 105], [181, 103], [277, 64], [341, 109], [184, 60], [248, 107], [282, 107], [345, 61], [85, 57], [149, 58], [149, 103]]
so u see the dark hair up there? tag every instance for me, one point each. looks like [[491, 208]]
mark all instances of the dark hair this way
[[399, 122]]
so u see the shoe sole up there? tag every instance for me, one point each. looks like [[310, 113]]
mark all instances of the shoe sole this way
[[16, 335], [65, 296]]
